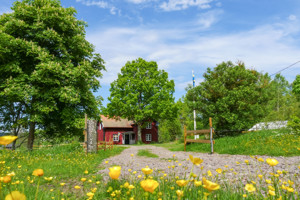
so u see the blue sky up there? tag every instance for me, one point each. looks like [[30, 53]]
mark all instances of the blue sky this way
[[186, 35]]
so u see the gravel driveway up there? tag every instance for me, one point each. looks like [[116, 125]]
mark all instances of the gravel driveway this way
[[183, 166]]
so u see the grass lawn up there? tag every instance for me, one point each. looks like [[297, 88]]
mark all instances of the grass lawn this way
[[61, 164], [147, 153], [265, 142]]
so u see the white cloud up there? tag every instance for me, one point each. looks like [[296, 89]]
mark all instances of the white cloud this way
[[173, 5], [139, 1], [292, 17], [101, 4], [266, 48]]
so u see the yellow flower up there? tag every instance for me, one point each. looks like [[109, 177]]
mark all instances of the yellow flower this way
[[209, 173], [15, 195], [290, 189], [62, 184], [98, 182], [250, 188], [77, 187], [271, 188], [195, 161], [86, 172], [131, 155], [149, 185], [6, 179], [126, 185], [90, 194], [279, 172], [114, 172], [5, 140], [219, 170], [272, 161], [131, 187], [147, 171], [260, 160], [290, 182], [247, 162], [272, 192], [244, 195], [182, 183], [268, 181], [38, 172], [106, 162], [179, 193], [197, 183], [260, 176], [210, 186], [83, 179]]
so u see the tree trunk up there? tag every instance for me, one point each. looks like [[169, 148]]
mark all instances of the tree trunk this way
[[31, 135], [139, 126]]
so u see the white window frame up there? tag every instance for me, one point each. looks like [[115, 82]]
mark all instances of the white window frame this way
[[149, 125], [115, 137], [148, 137]]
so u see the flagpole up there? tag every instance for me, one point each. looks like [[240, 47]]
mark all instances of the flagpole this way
[[195, 126]]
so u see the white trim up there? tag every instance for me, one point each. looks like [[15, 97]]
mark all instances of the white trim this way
[[149, 125], [116, 139], [148, 137]]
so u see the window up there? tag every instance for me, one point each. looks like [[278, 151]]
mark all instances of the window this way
[[115, 137], [149, 126], [148, 137]]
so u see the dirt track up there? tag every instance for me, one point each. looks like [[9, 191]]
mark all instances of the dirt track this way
[[183, 166]]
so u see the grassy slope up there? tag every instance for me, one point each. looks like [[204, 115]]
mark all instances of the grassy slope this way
[[265, 142]]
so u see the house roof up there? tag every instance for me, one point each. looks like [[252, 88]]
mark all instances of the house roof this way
[[116, 123]]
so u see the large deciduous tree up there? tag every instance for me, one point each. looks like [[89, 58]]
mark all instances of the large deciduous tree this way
[[142, 93], [47, 65], [235, 97]]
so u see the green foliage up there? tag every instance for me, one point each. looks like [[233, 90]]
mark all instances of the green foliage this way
[[283, 103], [294, 124], [235, 97], [142, 93], [169, 130], [266, 142], [296, 86], [47, 65], [147, 153]]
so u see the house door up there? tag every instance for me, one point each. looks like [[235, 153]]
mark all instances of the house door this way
[[127, 139]]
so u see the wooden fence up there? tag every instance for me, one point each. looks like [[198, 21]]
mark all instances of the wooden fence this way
[[206, 132]]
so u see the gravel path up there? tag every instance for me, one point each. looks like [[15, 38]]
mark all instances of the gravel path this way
[[183, 166]]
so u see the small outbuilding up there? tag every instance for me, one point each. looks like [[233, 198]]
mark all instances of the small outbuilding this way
[[124, 131]]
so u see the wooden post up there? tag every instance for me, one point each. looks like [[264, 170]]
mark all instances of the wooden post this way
[[211, 136], [184, 137]]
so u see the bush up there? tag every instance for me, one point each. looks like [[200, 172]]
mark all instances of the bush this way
[[294, 124]]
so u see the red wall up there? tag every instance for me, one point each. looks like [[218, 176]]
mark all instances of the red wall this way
[[110, 131]]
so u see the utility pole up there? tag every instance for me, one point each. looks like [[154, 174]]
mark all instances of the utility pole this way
[[195, 126]]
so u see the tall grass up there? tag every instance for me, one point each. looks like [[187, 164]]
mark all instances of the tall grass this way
[[266, 142]]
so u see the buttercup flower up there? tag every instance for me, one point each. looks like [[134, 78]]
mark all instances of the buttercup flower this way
[[219, 170], [197, 183], [272, 161], [149, 185], [179, 193], [210, 186], [114, 172], [195, 161], [15, 195], [182, 183], [77, 187], [38, 172], [147, 170], [250, 188], [5, 140], [6, 179]]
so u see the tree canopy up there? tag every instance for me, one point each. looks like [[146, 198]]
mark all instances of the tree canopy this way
[[47, 65], [142, 93], [235, 97]]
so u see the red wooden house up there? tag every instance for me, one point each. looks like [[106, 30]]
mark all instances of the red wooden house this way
[[123, 131]]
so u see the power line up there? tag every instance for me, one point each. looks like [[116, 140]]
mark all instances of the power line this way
[[286, 68]]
